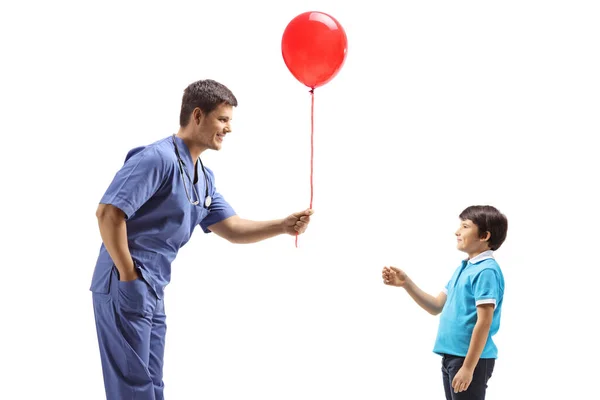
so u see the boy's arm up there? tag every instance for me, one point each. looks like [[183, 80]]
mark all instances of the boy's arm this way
[[396, 277], [485, 313], [433, 305], [463, 378]]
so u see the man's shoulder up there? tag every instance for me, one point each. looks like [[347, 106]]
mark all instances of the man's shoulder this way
[[163, 147], [158, 150]]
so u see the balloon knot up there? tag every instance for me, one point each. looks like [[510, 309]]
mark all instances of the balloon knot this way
[[311, 91]]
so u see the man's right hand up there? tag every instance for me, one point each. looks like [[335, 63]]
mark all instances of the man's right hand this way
[[393, 276], [128, 272], [129, 276]]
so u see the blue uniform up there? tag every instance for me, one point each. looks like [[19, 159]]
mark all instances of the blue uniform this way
[[130, 317]]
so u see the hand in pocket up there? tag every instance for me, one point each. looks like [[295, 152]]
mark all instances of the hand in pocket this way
[[133, 294]]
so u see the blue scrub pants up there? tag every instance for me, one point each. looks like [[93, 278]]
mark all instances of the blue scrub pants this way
[[131, 327]]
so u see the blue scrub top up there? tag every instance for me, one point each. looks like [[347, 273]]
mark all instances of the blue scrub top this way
[[160, 218]]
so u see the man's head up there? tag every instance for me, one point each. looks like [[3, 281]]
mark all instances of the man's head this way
[[481, 228], [206, 112]]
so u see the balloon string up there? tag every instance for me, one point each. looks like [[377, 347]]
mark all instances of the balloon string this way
[[312, 147], [312, 141]]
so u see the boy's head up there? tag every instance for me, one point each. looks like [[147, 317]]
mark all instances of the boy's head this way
[[482, 228]]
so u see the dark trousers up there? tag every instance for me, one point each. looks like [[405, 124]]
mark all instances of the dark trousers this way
[[476, 390]]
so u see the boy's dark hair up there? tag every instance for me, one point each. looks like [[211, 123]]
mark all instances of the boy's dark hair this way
[[488, 219], [206, 95]]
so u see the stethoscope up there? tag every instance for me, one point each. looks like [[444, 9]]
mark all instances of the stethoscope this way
[[207, 198]]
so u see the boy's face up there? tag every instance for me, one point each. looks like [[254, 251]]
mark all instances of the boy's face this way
[[469, 239]]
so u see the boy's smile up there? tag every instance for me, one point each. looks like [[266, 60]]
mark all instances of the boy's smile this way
[[468, 239]]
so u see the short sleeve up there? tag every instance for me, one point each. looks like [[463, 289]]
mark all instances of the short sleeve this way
[[486, 288], [445, 290], [219, 209], [136, 182]]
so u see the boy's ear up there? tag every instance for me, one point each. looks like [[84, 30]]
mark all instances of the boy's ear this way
[[486, 236]]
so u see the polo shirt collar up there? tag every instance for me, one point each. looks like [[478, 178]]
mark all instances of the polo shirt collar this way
[[482, 256]]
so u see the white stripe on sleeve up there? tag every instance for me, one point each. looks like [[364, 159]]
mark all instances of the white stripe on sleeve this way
[[486, 301]]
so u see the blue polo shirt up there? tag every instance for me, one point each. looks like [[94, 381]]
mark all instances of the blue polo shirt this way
[[477, 281], [160, 219]]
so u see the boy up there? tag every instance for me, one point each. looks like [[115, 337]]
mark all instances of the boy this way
[[471, 304]]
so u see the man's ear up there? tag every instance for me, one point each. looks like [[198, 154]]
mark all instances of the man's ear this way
[[197, 115]]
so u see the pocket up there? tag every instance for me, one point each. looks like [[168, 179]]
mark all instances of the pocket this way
[[133, 295], [101, 277]]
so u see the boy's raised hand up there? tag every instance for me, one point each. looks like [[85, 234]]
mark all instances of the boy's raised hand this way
[[393, 276]]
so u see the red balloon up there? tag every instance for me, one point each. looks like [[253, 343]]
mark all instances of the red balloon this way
[[314, 47]]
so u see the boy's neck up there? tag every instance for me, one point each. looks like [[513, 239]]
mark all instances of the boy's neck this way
[[476, 253]]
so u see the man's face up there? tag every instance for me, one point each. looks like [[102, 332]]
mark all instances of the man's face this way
[[213, 127]]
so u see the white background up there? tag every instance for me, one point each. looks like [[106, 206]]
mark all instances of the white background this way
[[440, 105]]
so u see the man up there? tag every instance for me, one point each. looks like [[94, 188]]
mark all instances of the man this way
[[149, 211]]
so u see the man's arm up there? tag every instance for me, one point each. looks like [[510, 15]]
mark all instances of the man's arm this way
[[239, 230], [134, 184], [113, 229]]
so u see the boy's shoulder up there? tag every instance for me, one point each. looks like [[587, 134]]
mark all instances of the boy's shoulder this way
[[488, 264]]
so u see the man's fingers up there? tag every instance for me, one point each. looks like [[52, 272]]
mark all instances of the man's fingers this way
[[307, 212], [300, 227]]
